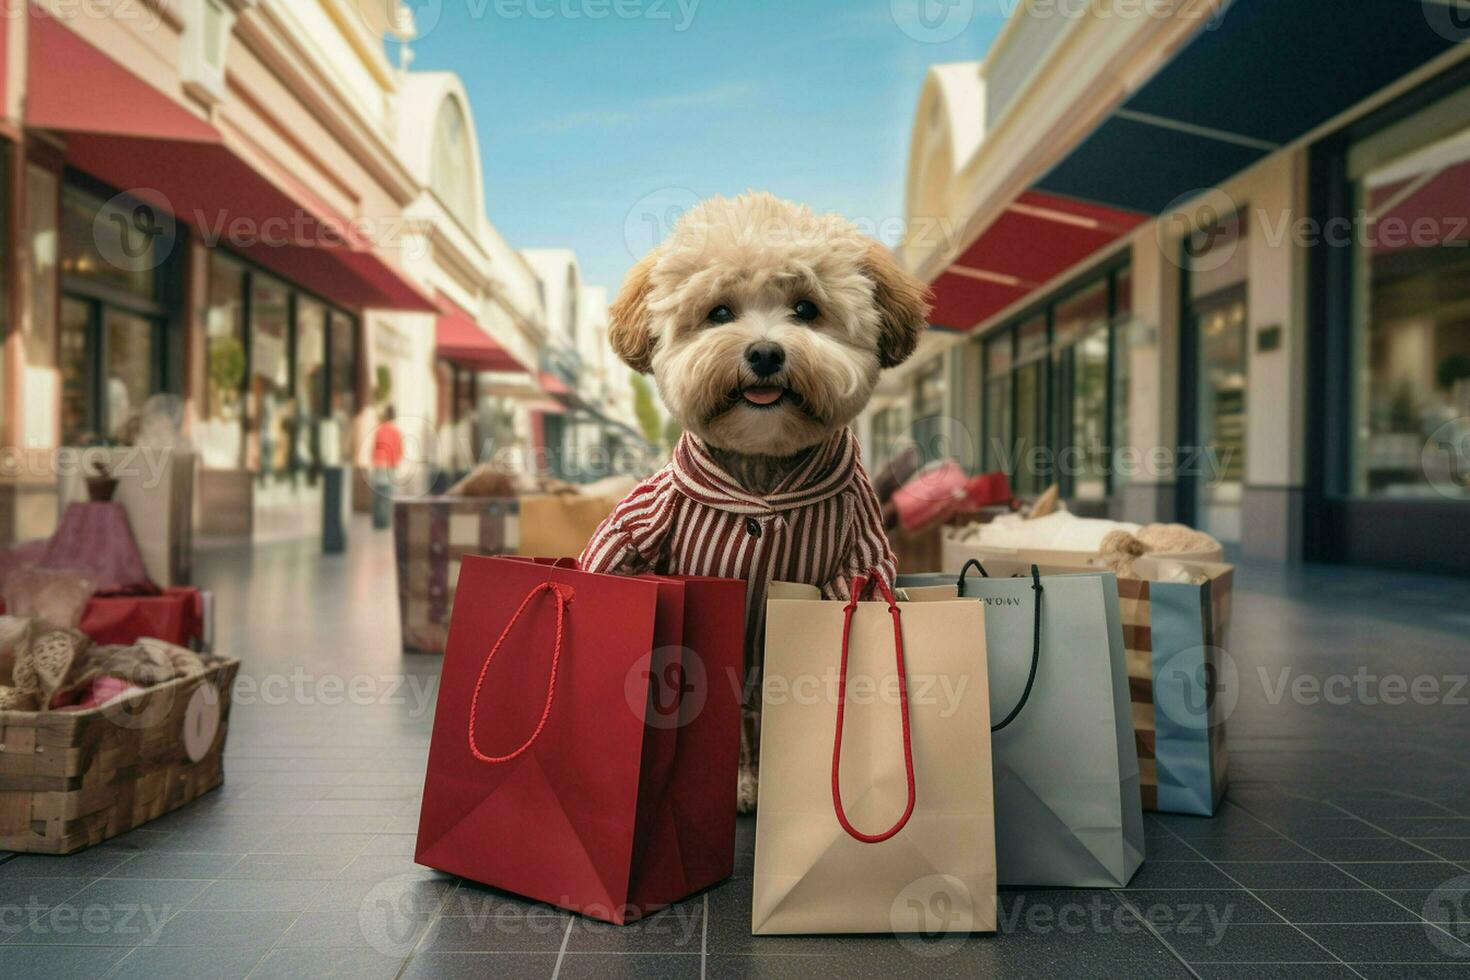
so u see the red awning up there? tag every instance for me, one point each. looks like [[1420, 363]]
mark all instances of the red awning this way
[[130, 135], [554, 386], [460, 339], [1036, 239], [1428, 210]]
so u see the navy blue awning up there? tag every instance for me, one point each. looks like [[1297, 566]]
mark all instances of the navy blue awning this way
[[1254, 79]]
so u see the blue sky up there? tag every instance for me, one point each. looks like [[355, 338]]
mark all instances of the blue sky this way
[[594, 131]]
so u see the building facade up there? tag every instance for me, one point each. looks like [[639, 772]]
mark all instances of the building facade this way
[[244, 205], [1186, 280]]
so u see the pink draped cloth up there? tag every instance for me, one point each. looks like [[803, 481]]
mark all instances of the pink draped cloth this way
[[94, 539]]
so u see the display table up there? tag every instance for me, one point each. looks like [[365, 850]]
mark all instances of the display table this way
[[176, 615]]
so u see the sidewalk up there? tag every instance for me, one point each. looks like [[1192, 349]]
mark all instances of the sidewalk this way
[[1348, 821]]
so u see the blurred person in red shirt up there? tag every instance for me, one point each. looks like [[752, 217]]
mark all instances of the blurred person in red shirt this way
[[387, 454]]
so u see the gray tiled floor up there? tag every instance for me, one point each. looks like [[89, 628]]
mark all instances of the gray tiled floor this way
[[1346, 836]]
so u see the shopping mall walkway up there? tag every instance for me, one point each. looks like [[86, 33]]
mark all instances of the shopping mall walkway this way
[[1348, 821]]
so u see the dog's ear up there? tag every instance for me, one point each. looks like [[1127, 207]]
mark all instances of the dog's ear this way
[[630, 329], [903, 305]]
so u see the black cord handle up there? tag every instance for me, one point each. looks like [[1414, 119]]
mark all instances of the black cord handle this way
[[1035, 645], [966, 570]]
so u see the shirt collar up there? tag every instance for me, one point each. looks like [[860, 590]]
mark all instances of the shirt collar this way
[[826, 471]]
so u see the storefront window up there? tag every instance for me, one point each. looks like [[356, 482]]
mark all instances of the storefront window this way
[[887, 430], [270, 374], [1032, 472], [106, 243], [112, 324], [344, 368], [1080, 365], [224, 365], [311, 382], [1054, 398], [130, 370], [78, 380], [1123, 328], [1413, 344], [998, 393]]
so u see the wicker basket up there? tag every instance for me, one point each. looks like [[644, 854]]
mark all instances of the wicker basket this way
[[431, 536], [71, 779]]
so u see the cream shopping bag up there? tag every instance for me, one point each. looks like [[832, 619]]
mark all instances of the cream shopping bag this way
[[876, 812], [558, 525]]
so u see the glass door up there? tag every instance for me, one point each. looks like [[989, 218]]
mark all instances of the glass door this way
[[1219, 323], [78, 371], [110, 366], [129, 370]]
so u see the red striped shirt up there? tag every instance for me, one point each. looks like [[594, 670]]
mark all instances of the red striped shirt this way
[[820, 526]]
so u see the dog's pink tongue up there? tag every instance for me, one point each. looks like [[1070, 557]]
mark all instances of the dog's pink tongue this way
[[763, 396]]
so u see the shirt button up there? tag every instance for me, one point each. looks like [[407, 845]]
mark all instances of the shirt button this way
[[752, 527]]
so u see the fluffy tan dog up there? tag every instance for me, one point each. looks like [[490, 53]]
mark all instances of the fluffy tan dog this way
[[765, 327]]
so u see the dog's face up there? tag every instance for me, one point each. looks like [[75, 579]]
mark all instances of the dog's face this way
[[765, 325]]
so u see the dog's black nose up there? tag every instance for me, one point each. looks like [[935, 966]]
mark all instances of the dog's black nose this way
[[765, 359]]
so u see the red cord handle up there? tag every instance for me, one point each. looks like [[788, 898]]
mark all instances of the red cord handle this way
[[858, 584], [563, 596]]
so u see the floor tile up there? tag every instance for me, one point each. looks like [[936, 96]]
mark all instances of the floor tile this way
[[251, 895], [164, 962], [1165, 906], [279, 867], [385, 930], [1340, 850], [496, 934], [327, 964], [57, 962], [1427, 874], [411, 894], [474, 900], [93, 925], [1412, 827], [479, 966], [91, 863], [1455, 849], [1316, 828], [675, 930], [1180, 874], [1251, 849], [1282, 971], [1418, 943], [595, 966], [1295, 874], [1249, 943], [174, 865], [196, 927], [1340, 906], [37, 892]]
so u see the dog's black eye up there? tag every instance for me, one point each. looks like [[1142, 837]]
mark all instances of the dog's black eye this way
[[806, 310], [721, 314]]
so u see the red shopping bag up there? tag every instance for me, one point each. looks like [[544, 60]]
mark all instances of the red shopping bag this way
[[988, 490], [587, 735]]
